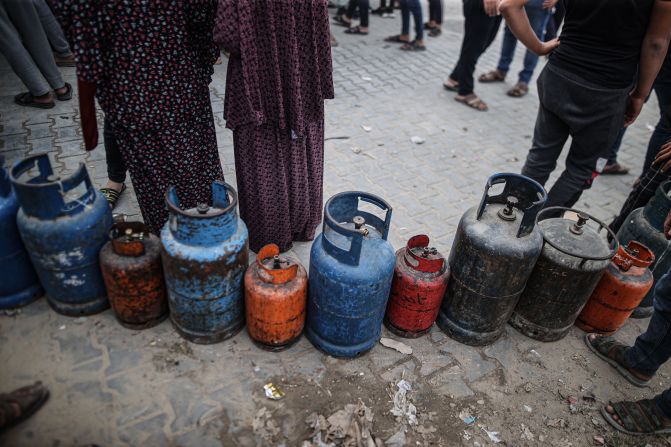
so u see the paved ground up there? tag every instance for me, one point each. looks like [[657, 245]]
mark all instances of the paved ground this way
[[112, 386]]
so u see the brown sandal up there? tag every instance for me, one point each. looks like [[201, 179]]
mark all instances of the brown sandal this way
[[492, 76], [451, 85], [519, 90], [612, 352], [642, 417], [473, 102]]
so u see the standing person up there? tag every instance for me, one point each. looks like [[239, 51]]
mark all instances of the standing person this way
[[150, 64], [410, 7], [385, 11], [25, 45], [346, 19], [585, 90], [435, 23], [275, 107], [62, 53], [481, 24], [539, 12], [639, 363]]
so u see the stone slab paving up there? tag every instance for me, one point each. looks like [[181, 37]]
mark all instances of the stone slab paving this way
[[112, 386]]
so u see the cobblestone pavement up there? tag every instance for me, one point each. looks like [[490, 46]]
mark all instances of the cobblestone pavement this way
[[112, 386]]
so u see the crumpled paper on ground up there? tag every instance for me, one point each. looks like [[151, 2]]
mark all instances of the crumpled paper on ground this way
[[349, 427], [403, 408]]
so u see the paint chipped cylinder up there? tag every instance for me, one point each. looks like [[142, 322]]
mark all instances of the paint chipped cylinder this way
[[205, 255], [420, 281], [131, 267], [276, 290], [19, 285], [64, 222]]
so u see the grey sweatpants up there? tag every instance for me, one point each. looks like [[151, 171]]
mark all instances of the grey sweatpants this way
[[592, 116], [24, 43]]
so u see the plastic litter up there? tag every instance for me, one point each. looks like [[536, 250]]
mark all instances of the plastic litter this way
[[402, 407], [273, 392]]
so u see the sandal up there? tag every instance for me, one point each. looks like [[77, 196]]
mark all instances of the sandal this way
[[412, 46], [474, 102], [112, 195], [519, 90], [396, 39], [435, 32], [67, 95], [28, 100], [356, 30], [340, 21], [428, 26], [492, 76], [642, 417], [21, 404], [612, 352], [451, 85], [614, 169]]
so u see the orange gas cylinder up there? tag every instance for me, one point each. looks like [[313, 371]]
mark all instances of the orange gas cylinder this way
[[626, 282], [275, 295]]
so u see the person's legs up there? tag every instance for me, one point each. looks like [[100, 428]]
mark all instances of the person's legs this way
[[116, 168], [662, 133], [435, 12], [405, 18], [416, 10], [52, 29], [351, 9], [364, 6], [538, 17], [27, 22], [19, 58], [507, 51], [642, 192]]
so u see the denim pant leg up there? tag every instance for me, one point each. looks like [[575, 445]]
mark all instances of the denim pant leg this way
[[416, 10], [653, 347], [364, 7], [507, 50], [538, 17], [405, 17], [662, 132]]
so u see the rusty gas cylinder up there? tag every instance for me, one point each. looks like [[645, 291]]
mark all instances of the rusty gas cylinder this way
[[420, 280], [623, 286], [275, 294], [131, 267]]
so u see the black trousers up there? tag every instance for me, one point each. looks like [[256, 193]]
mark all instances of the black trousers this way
[[591, 115], [436, 11], [116, 168], [479, 33], [364, 6]]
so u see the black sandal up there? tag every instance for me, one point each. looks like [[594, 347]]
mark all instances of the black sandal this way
[[67, 95], [356, 30], [338, 20], [412, 46], [435, 32], [112, 195], [28, 100], [395, 39], [642, 417], [604, 346]]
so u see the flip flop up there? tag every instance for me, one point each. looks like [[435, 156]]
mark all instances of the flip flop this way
[[412, 46], [519, 90], [453, 87], [67, 95], [435, 32], [608, 344], [639, 418], [112, 195], [474, 103], [492, 76], [356, 30], [28, 100], [395, 39]]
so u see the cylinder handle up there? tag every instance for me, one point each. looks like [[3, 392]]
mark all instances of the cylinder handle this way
[[282, 270]]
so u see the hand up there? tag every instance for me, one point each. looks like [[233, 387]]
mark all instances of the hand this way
[[491, 7], [663, 157], [632, 109], [547, 47], [667, 226], [549, 4]]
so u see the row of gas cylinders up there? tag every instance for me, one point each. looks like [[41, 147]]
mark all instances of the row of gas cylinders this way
[[511, 261]]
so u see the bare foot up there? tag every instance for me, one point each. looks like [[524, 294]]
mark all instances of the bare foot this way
[[44, 99]]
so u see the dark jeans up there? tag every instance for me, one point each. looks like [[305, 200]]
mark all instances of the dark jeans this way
[[436, 11], [479, 32], [412, 6], [591, 115], [641, 194], [653, 347], [364, 6], [538, 18], [116, 168]]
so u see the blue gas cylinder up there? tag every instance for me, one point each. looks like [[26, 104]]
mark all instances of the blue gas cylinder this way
[[19, 284], [351, 269], [205, 254], [63, 223]]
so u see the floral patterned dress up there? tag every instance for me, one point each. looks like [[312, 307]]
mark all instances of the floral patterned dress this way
[[279, 75], [151, 63]]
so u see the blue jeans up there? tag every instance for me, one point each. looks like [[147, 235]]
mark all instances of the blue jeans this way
[[407, 7], [538, 17], [653, 347]]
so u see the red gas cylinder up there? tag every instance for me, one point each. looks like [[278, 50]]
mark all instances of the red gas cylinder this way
[[131, 267], [621, 289], [420, 280], [275, 296]]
